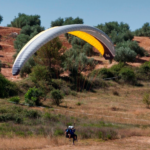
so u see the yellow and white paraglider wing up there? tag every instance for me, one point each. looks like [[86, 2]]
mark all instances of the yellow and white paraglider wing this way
[[92, 35]]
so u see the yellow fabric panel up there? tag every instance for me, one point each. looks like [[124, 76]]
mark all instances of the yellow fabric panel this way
[[90, 39]]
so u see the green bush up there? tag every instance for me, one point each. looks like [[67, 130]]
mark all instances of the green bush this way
[[58, 132], [133, 45], [127, 75], [0, 65], [146, 100], [15, 99], [40, 73], [32, 97], [32, 113], [125, 54], [73, 93], [7, 88], [97, 83], [115, 69], [145, 68], [27, 68], [56, 97], [103, 73], [143, 72], [51, 117], [78, 103]]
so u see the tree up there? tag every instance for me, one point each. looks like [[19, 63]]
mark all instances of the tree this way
[[57, 22], [48, 55], [30, 27], [125, 54], [20, 41], [117, 32], [77, 61], [27, 68], [23, 20], [29, 30], [144, 31], [66, 21], [7, 88], [1, 19], [56, 97]]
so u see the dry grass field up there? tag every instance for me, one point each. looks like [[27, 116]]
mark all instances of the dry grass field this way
[[104, 104], [119, 105], [124, 109]]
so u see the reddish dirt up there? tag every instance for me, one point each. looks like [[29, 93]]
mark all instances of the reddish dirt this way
[[7, 52]]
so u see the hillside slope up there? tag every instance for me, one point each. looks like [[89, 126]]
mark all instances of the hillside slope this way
[[7, 51]]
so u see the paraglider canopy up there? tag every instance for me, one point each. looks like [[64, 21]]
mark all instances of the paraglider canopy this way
[[93, 36]]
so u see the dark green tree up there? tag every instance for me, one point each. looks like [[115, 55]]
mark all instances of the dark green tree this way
[[117, 32], [56, 97], [20, 41], [48, 55], [144, 31], [66, 21], [23, 20], [57, 22], [30, 27], [1, 19], [29, 30]]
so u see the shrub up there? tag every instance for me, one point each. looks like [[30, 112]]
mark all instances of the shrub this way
[[18, 118], [104, 73], [51, 117], [56, 97], [0, 65], [79, 103], [26, 69], [15, 99], [7, 88], [32, 113], [145, 68], [143, 72], [127, 75], [115, 69], [125, 54], [40, 73], [97, 83], [115, 93], [73, 93], [146, 100], [32, 97], [133, 45], [58, 132], [66, 90]]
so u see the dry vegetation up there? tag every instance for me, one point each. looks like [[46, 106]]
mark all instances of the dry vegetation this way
[[119, 105]]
